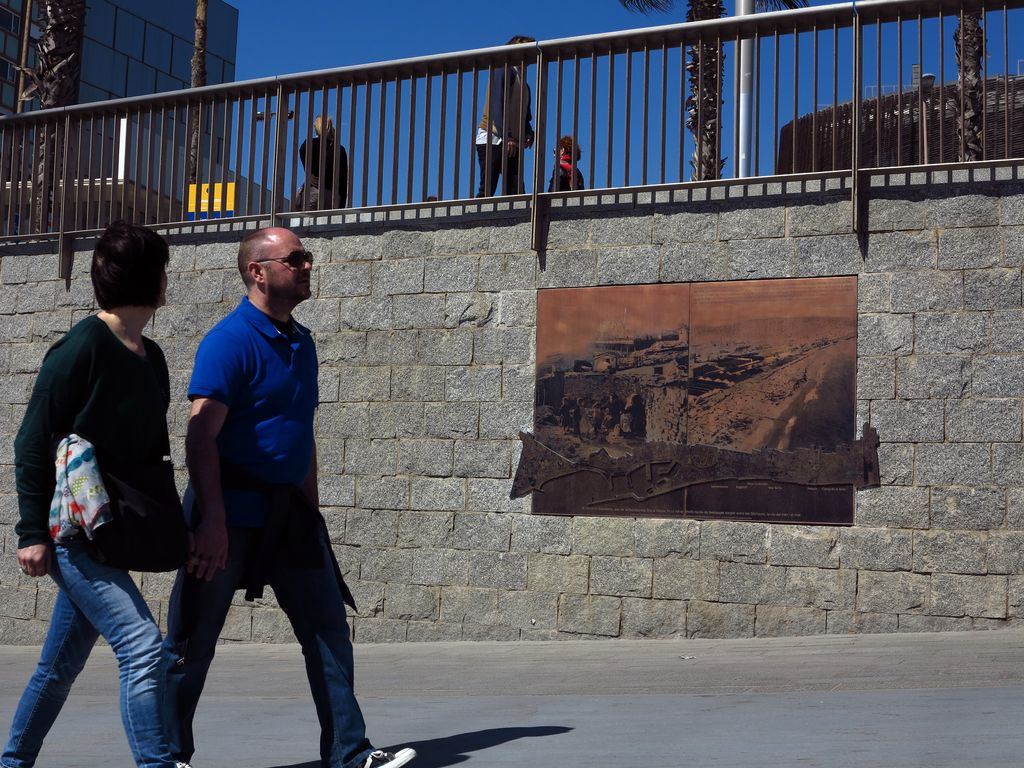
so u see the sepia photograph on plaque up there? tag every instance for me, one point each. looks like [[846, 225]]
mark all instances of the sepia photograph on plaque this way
[[723, 400]]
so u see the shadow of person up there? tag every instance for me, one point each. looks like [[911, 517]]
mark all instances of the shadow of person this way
[[452, 750]]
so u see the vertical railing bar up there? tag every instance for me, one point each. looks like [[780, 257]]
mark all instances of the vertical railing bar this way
[[440, 134], [644, 122], [835, 93], [682, 111], [381, 119], [280, 137], [573, 159], [611, 115], [776, 137], [42, 196], [457, 149], [593, 118], [858, 75], [395, 141], [814, 112], [503, 174], [878, 93], [7, 155], [756, 132], [211, 174], [558, 108], [922, 117], [115, 191], [26, 149], [87, 177], [942, 91], [65, 270], [541, 104], [350, 193], [239, 141], [737, 62], [338, 194], [427, 105], [720, 76], [172, 185], [411, 159], [149, 168], [961, 86], [521, 154], [796, 94], [136, 182], [267, 205], [984, 86], [292, 150], [1006, 81], [664, 112], [473, 162], [225, 154], [365, 168], [96, 173], [161, 165], [899, 91]]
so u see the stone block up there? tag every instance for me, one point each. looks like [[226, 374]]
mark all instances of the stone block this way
[[1008, 464], [933, 376], [749, 583], [825, 588], [830, 217], [418, 382], [843, 622], [1008, 331], [955, 595], [419, 311], [411, 602], [898, 592], [1005, 552], [590, 615], [528, 610], [389, 278], [439, 567], [968, 508], [759, 259], [978, 420], [628, 265], [341, 348], [916, 623], [656, 619], [379, 630], [343, 280], [569, 269], [345, 247], [498, 570], [611, 536], [478, 633], [557, 573], [503, 345], [908, 421], [827, 255], [509, 238], [876, 549], [447, 347], [803, 545], [667, 538], [901, 251], [382, 492], [518, 384], [518, 308], [482, 532], [719, 620], [752, 221], [992, 289], [965, 210], [686, 226], [461, 240], [998, 376], [367, 313], [361, 384], [949, 552], [391, 347], [621, 230], [502, 272], [460, 604], [921, 291], [436, 494], [679, 579], [17, 602], [953, 464], [876, 378], [486, 495], [1015, 596], [450, 274], [969, 248], [433, 632], [386, 565], [396, 419], [734, 541], [621, 576], [374, 528], [271, 625], [885, 334], [400, 244], [950, 333], [776, 621], [874, 292], [479, 383], [505, 420], [451, 420], [369, 597], [428, 458], [340, 420], [694, 262], [536, 533], [425, 529], [470, 310]]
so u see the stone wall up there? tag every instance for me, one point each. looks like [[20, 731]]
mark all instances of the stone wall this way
[[425, 331]]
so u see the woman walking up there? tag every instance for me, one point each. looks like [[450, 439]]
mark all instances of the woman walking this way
[[102, 396]]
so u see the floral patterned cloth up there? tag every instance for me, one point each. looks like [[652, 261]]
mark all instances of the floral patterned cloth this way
[[80, 501]]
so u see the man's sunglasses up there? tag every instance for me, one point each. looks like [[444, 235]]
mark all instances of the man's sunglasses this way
[[295, 259]]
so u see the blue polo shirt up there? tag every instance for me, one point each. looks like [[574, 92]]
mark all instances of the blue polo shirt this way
[[268, 381]]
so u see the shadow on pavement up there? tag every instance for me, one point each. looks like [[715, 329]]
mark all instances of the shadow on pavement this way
[[451, 750]]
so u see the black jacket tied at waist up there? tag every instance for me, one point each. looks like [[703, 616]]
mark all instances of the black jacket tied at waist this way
[[291, 531]]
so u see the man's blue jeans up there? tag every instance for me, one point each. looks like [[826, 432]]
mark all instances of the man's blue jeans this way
[[311, 598], [94, 600]]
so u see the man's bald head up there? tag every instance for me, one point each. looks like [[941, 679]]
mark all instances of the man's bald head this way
[[252, 247]]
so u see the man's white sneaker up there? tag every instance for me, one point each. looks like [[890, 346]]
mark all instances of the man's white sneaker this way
[[382, 759]]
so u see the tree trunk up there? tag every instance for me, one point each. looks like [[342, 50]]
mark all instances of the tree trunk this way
[[198, 81], [968, 42], [54, 81], [703, 105]]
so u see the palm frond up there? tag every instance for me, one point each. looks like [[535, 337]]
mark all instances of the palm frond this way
[[779, 5], [645, 6]]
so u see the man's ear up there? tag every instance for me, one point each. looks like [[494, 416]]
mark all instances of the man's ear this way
[[255, 272]]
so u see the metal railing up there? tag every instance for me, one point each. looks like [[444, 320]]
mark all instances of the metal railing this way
[[782, 93]]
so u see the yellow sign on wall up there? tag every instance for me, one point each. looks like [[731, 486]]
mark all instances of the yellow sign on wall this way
[[203, 205]]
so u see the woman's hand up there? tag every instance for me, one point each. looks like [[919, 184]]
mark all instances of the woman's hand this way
[[35, 559]]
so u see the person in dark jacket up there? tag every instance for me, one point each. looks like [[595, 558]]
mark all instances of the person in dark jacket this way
[[505, 129], [321, 190], [566, 174], [103, 389]]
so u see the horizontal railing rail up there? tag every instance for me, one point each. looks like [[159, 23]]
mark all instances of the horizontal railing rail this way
[[838, 88]]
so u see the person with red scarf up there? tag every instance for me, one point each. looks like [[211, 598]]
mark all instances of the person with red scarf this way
[[566, 175]]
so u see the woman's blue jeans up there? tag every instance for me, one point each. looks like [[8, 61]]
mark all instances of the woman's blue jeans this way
[[94, 600]]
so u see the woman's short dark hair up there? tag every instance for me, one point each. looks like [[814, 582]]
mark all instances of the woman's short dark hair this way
[[127, 265]]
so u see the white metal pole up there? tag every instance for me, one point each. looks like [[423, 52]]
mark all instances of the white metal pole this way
[[745, 107]]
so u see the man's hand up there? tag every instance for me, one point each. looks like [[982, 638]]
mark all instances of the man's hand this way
[[35, 559], [208, 550], [511, 147], [529, 142]]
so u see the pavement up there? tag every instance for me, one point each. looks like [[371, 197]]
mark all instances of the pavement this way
[[866, 701]]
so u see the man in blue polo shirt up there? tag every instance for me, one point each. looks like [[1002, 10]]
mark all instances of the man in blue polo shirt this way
[[251, 457]]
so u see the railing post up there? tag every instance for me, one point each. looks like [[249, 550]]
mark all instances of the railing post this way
[[540, 114], [855, 117], [65, 243], [280, 131]]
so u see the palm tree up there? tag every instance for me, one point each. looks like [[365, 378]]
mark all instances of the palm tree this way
[[198, 81], [54, 82], [704, 69], [968, 43]]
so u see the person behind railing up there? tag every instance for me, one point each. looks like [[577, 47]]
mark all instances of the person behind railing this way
[[505, 129], [319, 189], [566, 174]]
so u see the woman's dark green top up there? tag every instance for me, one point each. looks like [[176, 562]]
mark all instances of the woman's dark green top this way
[[90, 384]]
